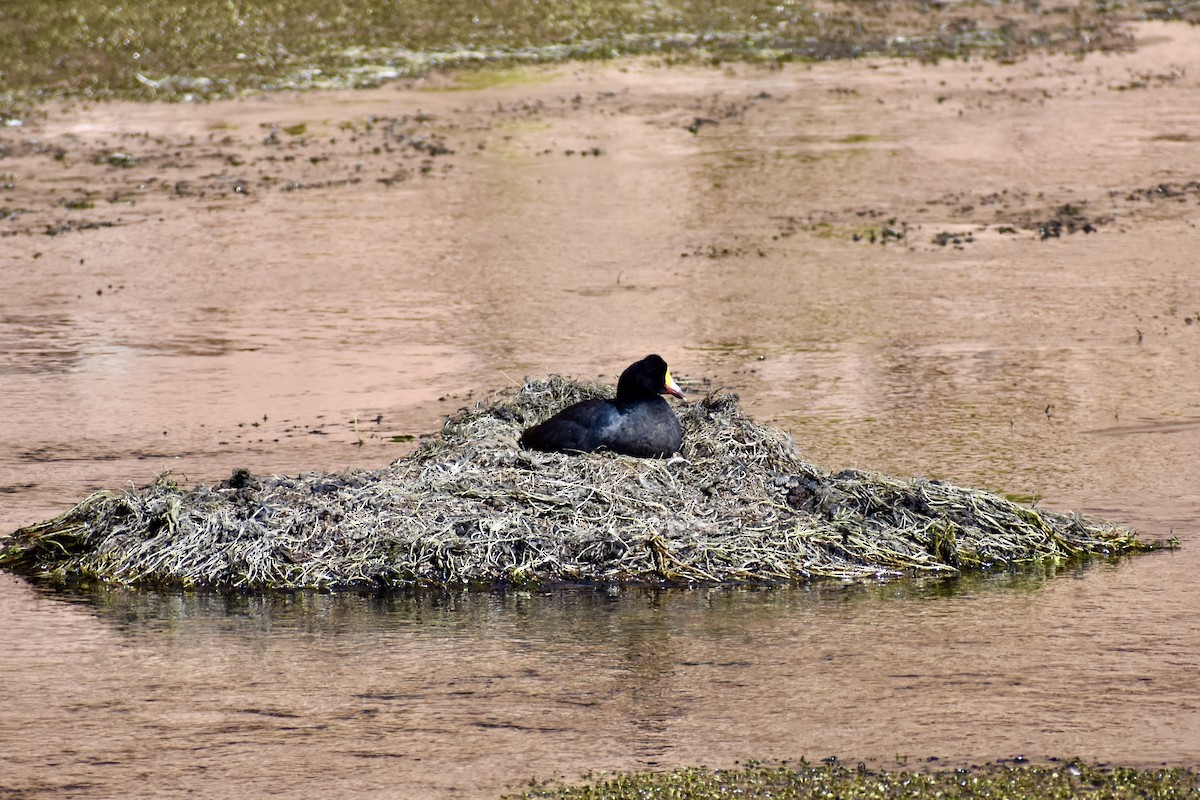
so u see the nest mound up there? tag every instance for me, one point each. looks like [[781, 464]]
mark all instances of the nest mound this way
[[470, 508]]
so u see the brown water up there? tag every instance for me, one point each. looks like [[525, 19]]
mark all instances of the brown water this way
[[226, 293]]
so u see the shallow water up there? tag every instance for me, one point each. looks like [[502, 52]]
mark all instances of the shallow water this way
[[258, 298], [287, 696]]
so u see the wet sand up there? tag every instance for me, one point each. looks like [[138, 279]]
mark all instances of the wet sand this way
[[975, 271]]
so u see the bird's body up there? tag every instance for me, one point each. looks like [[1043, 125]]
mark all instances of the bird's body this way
[[637, 423]]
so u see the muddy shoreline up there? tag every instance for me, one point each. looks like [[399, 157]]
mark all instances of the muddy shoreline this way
[[127, 162]]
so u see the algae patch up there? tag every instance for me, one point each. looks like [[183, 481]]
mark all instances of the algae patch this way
[[481, 79], [804, 781], [159, 49]]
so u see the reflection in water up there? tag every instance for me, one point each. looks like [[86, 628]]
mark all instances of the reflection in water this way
[[303, 693], [37, 344]]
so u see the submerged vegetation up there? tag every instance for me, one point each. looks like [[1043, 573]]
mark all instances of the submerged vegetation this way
[[803, 781], [469, 508], [163, 49]]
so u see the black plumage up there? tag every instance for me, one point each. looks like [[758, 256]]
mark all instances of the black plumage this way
[[637, 423]]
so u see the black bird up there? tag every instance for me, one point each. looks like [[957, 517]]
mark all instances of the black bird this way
[[637, 423]]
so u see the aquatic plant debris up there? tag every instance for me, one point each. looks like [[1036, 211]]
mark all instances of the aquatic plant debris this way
[[804, 781], [469, 508], [165, 50]]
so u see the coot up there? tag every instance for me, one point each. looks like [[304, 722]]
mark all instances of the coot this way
[[637, 423]]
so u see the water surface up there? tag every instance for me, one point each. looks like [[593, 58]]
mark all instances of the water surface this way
[[461, 696], [288, 283]]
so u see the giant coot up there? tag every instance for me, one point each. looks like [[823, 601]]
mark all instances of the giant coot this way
[[637, 423]]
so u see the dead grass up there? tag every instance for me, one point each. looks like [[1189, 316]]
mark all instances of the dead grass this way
[[471, 508]]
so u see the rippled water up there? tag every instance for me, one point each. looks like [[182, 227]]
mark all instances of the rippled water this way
[[319, 326], [458, 696]]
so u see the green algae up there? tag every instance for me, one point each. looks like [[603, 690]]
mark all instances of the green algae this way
[[161, 49], [857, 138], [479, 80], [891, 231], [804, 781]]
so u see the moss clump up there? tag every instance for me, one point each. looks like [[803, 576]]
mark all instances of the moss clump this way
[[816, 782], [469, 508]]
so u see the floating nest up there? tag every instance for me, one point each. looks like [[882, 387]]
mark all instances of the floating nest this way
[[469, 508]]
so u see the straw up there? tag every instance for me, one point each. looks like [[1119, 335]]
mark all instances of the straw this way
[[469, 508]]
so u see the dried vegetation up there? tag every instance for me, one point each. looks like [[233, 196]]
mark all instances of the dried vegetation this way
[[469, 508]]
